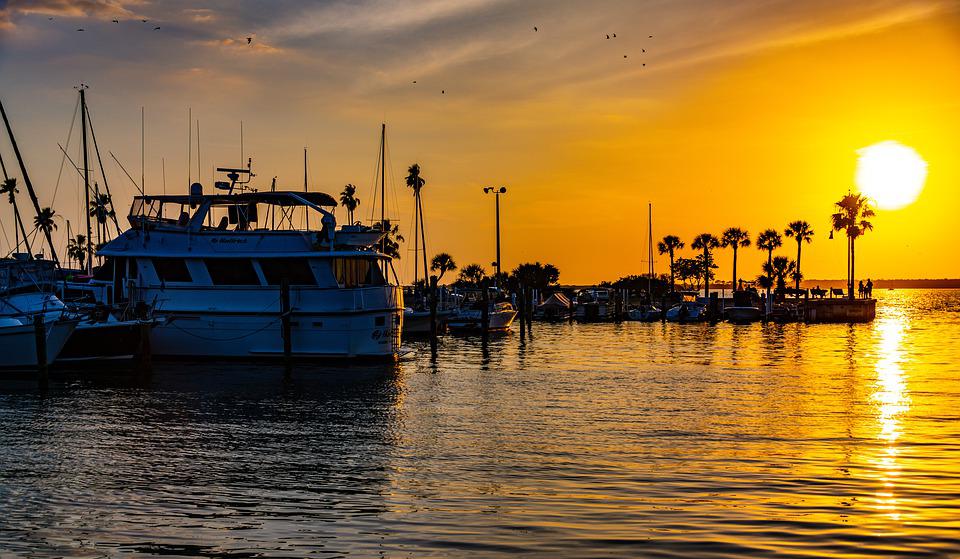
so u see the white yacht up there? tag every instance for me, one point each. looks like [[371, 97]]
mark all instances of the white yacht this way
[[212, 267]]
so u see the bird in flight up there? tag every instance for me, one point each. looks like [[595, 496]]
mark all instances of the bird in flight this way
[[81, 29], [249, 40], [614, 35], [443, 92], [414, 81], [157, 28], [624, 56], [50, 18], [608, 35], [143, 20], [535, 29], [643, 50], [115, 20], [650, 37]]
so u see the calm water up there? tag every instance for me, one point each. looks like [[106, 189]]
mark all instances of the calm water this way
[[588, 440]]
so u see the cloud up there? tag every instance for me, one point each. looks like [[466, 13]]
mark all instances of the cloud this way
[[200, 15], [67, 8], [256, 46]]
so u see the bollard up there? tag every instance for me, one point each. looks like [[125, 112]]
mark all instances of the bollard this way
[[40, 337], [285, 323], [433, 316]]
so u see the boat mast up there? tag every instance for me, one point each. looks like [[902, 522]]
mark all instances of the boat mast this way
[[383, 191], [306, 211], [16, 214], [650, 252], [26, 179], [86, 175]]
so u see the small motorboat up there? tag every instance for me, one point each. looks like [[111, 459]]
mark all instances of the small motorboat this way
[[644, 313], [500, 317], [687, 311], [745, 309]]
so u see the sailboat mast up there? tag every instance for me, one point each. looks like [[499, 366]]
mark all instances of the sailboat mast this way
[[18, 228], [383, 191], [650, 251], [86, 176], [26, 178], [306, 211]]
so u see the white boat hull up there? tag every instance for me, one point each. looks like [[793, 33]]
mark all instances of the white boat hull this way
[[498, 321], [18, 344]]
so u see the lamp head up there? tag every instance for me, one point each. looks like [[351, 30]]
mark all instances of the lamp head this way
[[487, 189], [503, 190]]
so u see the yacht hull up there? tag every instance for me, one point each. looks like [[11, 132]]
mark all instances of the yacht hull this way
[[233, 335], [18, 344]]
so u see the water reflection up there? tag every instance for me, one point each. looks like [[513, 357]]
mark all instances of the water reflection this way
[[892, 401]]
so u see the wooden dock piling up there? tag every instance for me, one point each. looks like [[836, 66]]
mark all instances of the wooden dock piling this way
[[433, 316]]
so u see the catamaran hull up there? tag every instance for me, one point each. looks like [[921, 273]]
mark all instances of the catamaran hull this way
[[372, 334], [18, 344]]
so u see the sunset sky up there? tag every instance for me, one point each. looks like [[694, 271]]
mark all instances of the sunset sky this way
[[745, 114]]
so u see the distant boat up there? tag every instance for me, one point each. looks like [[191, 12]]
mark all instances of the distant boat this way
[[687, 311], [500, 317], [745, 309], [644, 313]]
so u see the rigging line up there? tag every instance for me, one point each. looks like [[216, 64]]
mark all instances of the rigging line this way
[[96, 149], [374, 195], [73, 122], [124, 170]]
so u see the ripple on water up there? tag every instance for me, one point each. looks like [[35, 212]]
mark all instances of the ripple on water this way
[[584, 440]]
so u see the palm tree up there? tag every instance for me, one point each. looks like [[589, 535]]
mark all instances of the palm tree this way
[[442, 263], [9, 188], [778, 269], [705, 242], [854, 211], [736, 238], [669, 245], [44, 220], [77, 249], [416, 182], [349, 200], [472, 274], [802, 232], [769, 240], [391, 241], [101, 209]]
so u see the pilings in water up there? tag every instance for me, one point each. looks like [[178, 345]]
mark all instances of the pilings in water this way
[[40, 337], [285, 330], [433, 317], [485, 311]]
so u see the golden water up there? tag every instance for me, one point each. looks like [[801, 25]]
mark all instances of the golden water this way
[[586, 440]]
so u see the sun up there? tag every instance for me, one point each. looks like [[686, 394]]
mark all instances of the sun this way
[[891, 174]]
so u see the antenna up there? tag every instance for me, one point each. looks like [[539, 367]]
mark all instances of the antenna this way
[[142, 172], [198, 149], [163, 172], [241, 143], [189, 146], [306, 211]]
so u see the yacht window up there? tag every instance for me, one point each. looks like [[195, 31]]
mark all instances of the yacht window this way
[[172, 269], [232, 271], [357, 272], [296, 270]]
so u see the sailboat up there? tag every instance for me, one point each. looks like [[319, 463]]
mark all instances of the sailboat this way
[[647, 311]]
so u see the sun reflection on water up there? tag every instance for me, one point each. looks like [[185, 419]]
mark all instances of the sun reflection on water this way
[[892, 401]]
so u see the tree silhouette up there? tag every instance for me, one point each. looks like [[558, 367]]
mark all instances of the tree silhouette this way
[[442, 263], [393, 238], [472, 275], [778, 269], [802, 232], [735, 238], [349, 200], [101, 209], [669, 245], [853, 212], [416, 182], [705, 242], [769, 240], [44, 221], [77, 249]]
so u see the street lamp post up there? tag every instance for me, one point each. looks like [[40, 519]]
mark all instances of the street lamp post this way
[[497, 192]]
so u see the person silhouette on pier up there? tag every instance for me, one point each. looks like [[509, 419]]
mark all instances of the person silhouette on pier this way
[[860, 290], [869, 288]]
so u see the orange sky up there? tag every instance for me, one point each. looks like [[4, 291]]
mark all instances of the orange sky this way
[[746, 115]]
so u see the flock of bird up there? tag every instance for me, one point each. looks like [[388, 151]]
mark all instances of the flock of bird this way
[[536, 29], [156, 28]]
